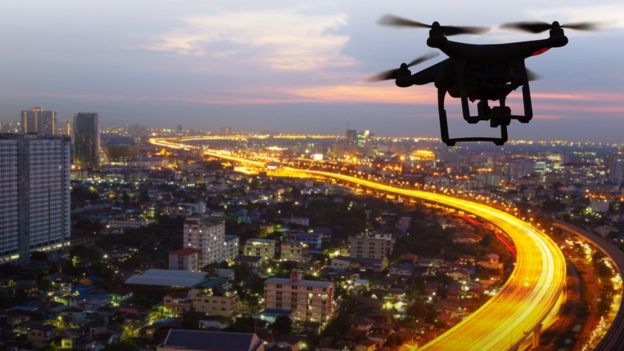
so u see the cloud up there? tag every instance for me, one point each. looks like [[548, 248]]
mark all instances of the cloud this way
[[609, 14], [366, 94], [283, 39]]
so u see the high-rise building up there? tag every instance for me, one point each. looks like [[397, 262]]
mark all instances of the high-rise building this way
[[230, 248], [363, 138], [351, 136], [520, 167], [86, 130], [34, 194], [206, 233], [38, 121], [68, 129], [308, 300], [616, 169]]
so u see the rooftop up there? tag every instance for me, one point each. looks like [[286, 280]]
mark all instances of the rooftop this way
[[166, 277], [258, 240], [185, 251], [311, 283], [205, 220], [181, 339]]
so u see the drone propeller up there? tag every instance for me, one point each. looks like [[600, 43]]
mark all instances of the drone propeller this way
[[396, 21], [531, 75], [393, 73], [538, 27]]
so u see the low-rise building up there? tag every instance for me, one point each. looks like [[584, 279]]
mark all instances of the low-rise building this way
[[186, 259], [215, 304], [167, 278], [264, 248], [314, 240], [378, 246], [208, 301], [360, 264], [309, 300], [293, 251]]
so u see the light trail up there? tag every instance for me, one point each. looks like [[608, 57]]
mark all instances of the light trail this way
[[523, 303], [526, 303]]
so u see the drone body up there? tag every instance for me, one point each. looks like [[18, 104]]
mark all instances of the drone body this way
[[479, 73]]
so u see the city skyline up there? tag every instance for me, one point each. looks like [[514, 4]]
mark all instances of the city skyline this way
[[227, 65]]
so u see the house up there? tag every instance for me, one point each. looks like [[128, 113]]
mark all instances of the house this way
[[252, 261], [293, 251], [40, 334]]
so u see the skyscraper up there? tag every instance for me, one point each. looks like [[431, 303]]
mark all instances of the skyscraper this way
[[39, 121], [34, 194], [86, 130], [616, 169], [351, 136]]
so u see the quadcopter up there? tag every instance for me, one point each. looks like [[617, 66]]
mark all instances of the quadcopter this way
[[476, 72]]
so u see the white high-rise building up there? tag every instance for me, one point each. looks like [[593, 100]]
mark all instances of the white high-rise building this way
[[206, 233], [34, 194], [230, 248]]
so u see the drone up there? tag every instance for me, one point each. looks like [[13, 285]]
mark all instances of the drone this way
[[477, 72]]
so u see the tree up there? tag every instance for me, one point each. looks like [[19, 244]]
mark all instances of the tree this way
[[282, 325], [242, 325], [190, 320], [122, 346]]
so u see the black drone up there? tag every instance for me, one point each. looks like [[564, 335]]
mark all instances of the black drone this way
[[479, 72]]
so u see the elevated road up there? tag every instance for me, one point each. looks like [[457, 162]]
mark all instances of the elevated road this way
[[614, 338], [527, 302]]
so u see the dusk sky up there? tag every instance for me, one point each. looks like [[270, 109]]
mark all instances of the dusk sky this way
[[292, 65]]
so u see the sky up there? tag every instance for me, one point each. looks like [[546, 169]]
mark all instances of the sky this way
[[293, 65]]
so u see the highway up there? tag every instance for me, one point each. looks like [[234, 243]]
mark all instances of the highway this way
[[614, 338], [529, 299], [533, 290]]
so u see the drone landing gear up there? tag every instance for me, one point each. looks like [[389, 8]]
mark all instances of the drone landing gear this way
[[502, 122]]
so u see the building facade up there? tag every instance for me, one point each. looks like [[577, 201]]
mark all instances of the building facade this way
[[86, 132], [308, 300], [293, 251], [206, 301], [377, 246], [185, 259], [230, 248], [38, 121], [34, 194], [616, 169], [206, 233], [264, 248]]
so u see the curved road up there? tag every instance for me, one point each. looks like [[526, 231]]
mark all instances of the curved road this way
[[614, 339], [533, 290], [530, 296]]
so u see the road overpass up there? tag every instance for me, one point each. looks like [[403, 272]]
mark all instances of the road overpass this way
[[527, 302]]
